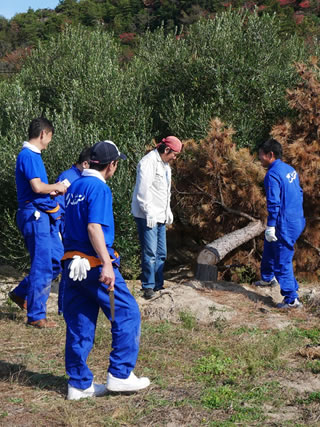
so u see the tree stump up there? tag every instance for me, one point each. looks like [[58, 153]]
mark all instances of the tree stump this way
[[214, 252]]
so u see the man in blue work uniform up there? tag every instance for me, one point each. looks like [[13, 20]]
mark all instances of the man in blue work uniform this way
[[285, 218], [36, 218], [92, 274], [268, 279], [70, 175]]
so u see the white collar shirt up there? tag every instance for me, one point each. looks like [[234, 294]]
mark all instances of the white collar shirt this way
[[151, 195]]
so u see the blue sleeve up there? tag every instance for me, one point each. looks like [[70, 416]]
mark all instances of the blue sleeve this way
[[32, 167], [100, 206], [273, 194]]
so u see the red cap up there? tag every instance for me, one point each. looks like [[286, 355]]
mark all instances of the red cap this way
[[173, 142]]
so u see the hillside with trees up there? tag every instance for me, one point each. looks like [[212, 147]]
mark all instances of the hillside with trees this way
[[128, 19]]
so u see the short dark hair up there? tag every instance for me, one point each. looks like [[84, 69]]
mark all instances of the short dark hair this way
[[97, 166], [161, 148], [84, 156], [271, 145], [38, 125]]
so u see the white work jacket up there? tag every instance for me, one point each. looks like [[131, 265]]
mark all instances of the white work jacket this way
[[151, 195]]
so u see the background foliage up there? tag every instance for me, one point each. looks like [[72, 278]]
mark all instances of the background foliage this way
[[134, 17], [236, 66]]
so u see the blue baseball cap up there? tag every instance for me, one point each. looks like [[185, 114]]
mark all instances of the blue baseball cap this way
[[104, 152]]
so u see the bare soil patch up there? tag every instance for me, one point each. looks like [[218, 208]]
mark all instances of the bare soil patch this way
[[257, 355]]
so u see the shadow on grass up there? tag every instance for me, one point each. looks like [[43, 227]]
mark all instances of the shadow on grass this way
[[17, 373], [238, 289], [11, 313]]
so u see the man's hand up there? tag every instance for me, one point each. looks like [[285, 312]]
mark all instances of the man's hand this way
[[151, 221], [60, 190], [107, 276], [270, 234], [78, 268], [169, 219]]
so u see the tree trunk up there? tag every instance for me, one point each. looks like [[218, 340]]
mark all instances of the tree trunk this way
[[218, 249]]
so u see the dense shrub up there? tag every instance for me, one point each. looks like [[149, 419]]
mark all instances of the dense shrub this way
[[77, 82], [236, 66]]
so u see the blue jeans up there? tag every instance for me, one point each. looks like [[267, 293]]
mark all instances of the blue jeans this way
[[153, 253]]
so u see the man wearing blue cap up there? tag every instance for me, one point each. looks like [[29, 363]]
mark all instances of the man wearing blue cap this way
[[68, 177], [93, 279]]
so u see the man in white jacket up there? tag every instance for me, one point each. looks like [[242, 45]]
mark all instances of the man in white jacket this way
[[152, 212]]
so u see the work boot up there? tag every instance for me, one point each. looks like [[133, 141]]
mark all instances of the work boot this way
[[273, 282], [132, 383], [158, 288], [42, 323], [22, 303], [148, 293], [295, 304], [95, 390]]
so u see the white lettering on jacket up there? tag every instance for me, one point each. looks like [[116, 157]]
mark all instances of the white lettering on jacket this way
[[72, 199], [291, 176]]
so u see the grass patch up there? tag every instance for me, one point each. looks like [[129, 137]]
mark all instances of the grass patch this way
[[213, 375]]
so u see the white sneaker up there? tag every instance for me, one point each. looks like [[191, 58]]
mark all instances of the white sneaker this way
[[295, 304], [92, 391], [273, 282], [132, 383]]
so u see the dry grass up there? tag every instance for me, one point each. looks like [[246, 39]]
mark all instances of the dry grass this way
[[218, 375]]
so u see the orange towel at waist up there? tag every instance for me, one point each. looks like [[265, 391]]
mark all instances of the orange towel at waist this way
[[93, 261]]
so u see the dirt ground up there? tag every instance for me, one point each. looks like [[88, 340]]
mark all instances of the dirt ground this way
[[239, 304], [209, 304]]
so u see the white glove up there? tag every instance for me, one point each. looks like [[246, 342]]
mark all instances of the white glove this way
[[78, 268], [169, 219], [151, 221], [270, 234]]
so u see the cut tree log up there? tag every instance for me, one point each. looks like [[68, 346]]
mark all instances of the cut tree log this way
[[215, 251]]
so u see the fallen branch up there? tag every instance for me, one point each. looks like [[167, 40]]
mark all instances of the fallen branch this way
[[218, 249], [310, 244]]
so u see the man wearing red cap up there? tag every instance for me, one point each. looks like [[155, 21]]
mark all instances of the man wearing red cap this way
[[151, 210]]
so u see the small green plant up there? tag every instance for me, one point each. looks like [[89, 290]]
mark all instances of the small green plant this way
[[314, 366], [215, 364], [243, 414], [220, 323], [312, 334], [218, 397], [313, 397], [245, 274], [246, 330], [188, 320], [16, 400]]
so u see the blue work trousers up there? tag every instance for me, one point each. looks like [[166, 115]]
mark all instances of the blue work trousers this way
[[82, 300], [283, 269], [62, 286], [267, 262], [153, 253], [279, 254], [46, 250]]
